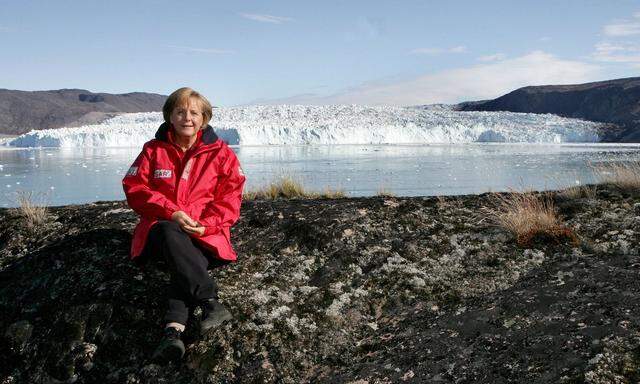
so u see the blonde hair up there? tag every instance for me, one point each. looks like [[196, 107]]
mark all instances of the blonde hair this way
[[181, 97]]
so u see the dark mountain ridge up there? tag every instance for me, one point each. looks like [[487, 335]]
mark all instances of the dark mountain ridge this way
[[612, 101], [22, 111]]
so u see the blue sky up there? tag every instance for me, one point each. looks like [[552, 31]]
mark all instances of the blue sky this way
[[323, 52]]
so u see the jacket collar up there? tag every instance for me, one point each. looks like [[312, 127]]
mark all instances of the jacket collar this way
[[208, 134]]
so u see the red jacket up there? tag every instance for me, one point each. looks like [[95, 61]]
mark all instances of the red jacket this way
[[205, 182]]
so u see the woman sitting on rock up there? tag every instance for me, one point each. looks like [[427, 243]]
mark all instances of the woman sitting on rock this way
[[186, 185]]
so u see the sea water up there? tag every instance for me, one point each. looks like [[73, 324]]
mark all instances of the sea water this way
[[61, 176]]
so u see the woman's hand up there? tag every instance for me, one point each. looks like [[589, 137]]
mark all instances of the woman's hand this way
[[197, 230], [183, 219], [187, 224]]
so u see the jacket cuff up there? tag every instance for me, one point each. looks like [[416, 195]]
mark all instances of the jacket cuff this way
[[169, 210], [210, 230]]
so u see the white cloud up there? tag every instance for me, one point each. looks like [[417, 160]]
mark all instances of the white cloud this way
[[477, 82], [622, 29], [370, 27], [627, 27], [200, 50], [458, 49], [438, 51], [617, 53], [494, 57], [266, 18], [365, 28]]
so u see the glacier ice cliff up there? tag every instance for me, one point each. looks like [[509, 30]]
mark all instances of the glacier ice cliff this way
[[337, 124]]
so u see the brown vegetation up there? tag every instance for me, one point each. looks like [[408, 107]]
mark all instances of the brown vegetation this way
[[34, 213], [289, 188], [384, 192], [625, 176], [528, 216], [579, 192]]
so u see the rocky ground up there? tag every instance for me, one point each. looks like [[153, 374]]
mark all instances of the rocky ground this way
[[357, 290]]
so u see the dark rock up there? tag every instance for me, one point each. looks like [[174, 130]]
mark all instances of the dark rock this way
[[17, 335], [90, 98], [349, 290]]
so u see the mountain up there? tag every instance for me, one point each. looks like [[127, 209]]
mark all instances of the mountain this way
[[22, 111], [612, 101]]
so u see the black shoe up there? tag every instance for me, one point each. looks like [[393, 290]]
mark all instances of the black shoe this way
[[171, 348], [214, 315]]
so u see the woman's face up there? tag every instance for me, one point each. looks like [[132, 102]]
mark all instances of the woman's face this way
[[187, 119]]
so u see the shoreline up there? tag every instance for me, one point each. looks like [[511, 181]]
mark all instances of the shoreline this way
[[384, 195]]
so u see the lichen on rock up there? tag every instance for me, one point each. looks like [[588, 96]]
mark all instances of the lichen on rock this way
[[381, 289]]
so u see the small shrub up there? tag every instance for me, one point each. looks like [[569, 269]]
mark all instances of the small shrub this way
[[578, 192], [35, 214], [288, 188], [625, 176], [528, 216], [329, 193], [384, 192], [444, 203]]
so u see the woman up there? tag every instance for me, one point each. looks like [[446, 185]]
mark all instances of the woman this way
[[186, 185]]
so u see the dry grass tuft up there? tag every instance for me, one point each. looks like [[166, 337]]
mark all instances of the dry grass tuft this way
[[528, 216], [34, 213], [289, 188], [625, 176], [384, 192], [329, 193], [451, 202], [579, 192]]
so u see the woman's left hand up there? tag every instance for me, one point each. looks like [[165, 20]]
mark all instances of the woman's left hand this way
[[198, 231]]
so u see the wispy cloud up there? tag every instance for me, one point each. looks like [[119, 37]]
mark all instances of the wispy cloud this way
[[494, 57], [266, 18], [621, 28], [438, 51], [617, 48], [617, 53], [476, 82], [212, 51], [365, 28]]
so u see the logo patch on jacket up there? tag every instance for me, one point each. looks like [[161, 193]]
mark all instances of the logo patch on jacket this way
[[187, 169], [162, 173], [132, 171]]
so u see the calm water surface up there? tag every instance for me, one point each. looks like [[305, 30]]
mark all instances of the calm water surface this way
[[65, 176]]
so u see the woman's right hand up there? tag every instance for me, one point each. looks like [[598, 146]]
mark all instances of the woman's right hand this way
[[183, 219]]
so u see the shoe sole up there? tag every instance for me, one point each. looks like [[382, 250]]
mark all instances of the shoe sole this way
[[227, 316], [171, 353]]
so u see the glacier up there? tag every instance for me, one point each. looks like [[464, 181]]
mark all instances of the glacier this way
[[336, 124]]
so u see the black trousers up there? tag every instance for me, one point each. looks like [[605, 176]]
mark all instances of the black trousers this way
[[188, 265]]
